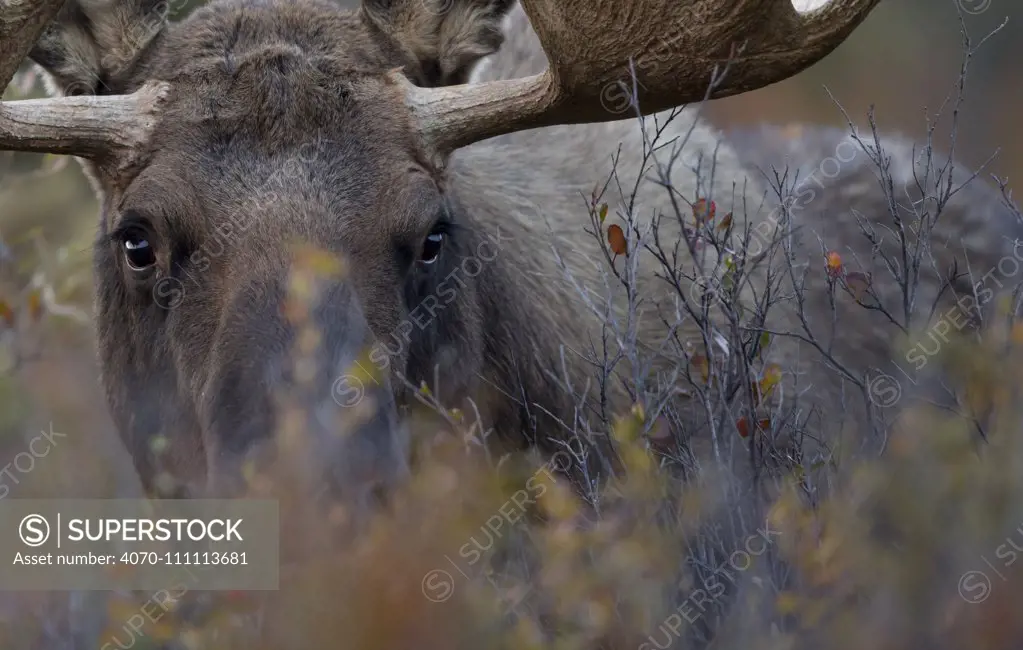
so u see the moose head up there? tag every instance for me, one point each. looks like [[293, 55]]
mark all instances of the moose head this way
[[218, 142]]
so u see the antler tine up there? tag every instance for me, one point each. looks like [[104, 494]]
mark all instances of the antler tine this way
[[91, 127], [673, 46], [87, 126], [21, 23], [822, 29]]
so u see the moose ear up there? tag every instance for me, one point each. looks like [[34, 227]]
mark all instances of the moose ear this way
[[440, 40], [92, 43]]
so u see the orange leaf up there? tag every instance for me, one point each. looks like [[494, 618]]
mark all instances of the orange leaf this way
[[833, 264], [704, 210], [726, 222], [35, 305], [1017, 334], [6, 313], [700, 362], [616, 238]]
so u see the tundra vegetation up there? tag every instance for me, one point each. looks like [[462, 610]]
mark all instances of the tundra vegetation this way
[[622, 384]]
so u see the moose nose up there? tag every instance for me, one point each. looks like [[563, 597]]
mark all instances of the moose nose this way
[[265, 381]]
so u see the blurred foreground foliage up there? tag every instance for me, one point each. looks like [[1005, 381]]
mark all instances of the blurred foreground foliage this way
[[916, 549]]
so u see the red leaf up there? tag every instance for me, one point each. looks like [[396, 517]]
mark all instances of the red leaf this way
[[704, 210], [743, 426]]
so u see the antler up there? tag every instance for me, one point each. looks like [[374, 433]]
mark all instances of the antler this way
[[673, 47], [88, 126]]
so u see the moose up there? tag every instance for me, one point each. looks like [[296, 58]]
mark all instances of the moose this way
[[444, 150]]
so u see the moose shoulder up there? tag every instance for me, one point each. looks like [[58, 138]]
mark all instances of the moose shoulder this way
[[221, 141]]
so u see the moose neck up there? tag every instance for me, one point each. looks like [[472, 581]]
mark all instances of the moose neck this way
[[529, 192], [541, 298]]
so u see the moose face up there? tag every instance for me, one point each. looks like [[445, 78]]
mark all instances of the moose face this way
[[272, 137]]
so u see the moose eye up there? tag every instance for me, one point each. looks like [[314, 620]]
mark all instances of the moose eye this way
[[137, 251], [431, 248]]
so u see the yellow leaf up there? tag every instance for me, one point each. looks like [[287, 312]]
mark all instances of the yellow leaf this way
[[627, 428], [787, 603], [602, 213], [556, 500], [162, 631], [770, 379], [365, 370], [639, 412], [159, 444], [317, 261], [120, 609]]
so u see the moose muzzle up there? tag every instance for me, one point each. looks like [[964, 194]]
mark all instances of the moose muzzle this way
[[274, 374]]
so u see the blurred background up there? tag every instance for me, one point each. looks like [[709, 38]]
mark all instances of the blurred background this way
[[905, 61]]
